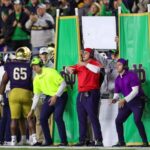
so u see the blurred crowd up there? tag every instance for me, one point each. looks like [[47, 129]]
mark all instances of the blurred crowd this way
[[31, 23]]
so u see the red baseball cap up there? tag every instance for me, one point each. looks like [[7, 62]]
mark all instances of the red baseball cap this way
[[88, 50]]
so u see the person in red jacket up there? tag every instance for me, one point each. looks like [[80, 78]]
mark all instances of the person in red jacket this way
[[88, 73]]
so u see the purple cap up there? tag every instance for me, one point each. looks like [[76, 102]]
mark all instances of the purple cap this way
[[123, 61]]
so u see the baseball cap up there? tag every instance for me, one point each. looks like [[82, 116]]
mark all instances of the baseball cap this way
[[88, 50], [35, 61], [43, 50], [41, 5], [123, 61], [17, 2], [46, 2]]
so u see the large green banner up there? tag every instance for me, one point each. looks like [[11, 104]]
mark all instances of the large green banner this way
[[135, 46], [67, 53]]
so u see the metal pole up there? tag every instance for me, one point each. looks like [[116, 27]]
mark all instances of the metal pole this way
[[57, 12], [76, 12], [148, 7], [119, 10]]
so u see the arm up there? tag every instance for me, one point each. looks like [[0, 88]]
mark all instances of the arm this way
[[132, 94], [50, 24], [116, 93], [35, 101], [42, 22], [135, 84], [37, 92], [71, 69], [22, 21], [93, 68], [116, 96], [4, 82], [103, 11], [48, 21], [100, 58], [34, 104], [32, 19], [3, 86], [123, 8], [29, 24], [61, 89]]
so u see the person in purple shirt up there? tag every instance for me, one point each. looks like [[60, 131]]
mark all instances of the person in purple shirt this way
[[127, 83]]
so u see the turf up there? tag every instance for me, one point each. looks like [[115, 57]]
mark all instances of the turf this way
[[69, 148]]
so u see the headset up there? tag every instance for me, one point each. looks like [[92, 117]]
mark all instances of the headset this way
[[41, 63]]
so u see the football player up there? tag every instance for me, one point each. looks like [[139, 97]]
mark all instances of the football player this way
[[19, 73]]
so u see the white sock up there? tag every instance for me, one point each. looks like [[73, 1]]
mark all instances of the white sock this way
[[30, 139], [14, 139], [23, 138], [34, 139]]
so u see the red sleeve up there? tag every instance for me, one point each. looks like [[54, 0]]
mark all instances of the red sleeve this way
[[75, 67]]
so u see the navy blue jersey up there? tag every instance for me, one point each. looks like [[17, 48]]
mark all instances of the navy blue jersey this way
[[19, 74]]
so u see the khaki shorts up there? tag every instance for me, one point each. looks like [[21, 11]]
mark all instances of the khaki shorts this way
[[20, 101]]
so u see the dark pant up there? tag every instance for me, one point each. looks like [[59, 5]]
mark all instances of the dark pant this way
[[88, 105], [58, 110], [5, 134], [136, 106]]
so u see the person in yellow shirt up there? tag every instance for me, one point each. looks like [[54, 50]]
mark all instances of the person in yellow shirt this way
[[49, 82]]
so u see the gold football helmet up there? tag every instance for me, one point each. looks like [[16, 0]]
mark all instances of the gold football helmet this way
[[51, 52], [23, 53]]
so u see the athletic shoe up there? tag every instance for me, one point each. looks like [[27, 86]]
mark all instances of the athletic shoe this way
[[120, 144], [22, 142], [1, 143], [13, 143], [90, 143], [7, 143], [145, 144], [98, 143], [63, 144], [81, 143], [37, 144]]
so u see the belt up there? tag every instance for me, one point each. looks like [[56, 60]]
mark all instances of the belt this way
[[86, 94]]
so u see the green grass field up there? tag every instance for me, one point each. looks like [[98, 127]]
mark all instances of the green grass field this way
[[69, 148]]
